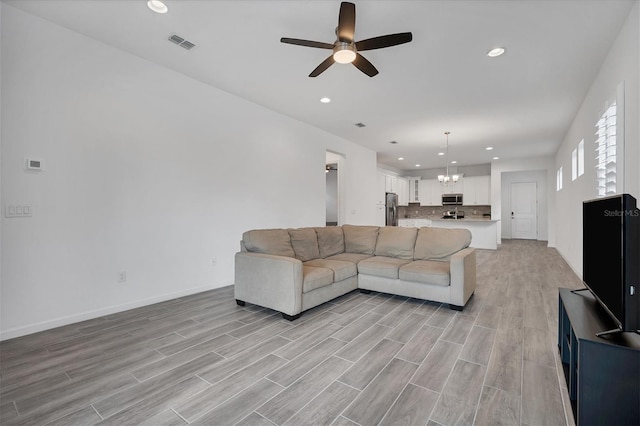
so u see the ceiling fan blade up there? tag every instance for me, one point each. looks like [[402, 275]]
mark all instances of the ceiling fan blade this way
[[307, 43], [384, 41], [322, 67], [346, 22], [364, 65]]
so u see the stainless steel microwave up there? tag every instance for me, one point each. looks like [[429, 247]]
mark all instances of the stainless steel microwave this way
[[451, 199]]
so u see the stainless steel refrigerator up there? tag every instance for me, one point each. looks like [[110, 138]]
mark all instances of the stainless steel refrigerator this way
[[391, 204]]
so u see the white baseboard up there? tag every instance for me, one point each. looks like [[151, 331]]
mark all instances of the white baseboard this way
[[71, 319]]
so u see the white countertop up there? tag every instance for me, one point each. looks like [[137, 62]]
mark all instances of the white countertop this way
[[440, 219]]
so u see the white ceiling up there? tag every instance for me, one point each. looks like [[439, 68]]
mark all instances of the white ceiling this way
[[521, 103]]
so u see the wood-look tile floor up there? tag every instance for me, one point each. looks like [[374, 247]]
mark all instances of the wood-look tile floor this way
[[358, 360]]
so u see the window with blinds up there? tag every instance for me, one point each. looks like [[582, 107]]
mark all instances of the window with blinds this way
[[606, 149]]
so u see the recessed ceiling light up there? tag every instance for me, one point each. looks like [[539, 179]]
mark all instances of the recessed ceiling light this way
[[495, 52], [454, 162], [325, 100], [496, 158], [400, 158], [489, 148], [441, 153], [417, 165], [157, 6]]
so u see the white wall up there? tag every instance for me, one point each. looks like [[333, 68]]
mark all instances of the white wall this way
[[503, 173], [622, 64], [146, 171]]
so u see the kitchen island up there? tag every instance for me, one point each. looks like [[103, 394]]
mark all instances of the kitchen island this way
[[484, 232]]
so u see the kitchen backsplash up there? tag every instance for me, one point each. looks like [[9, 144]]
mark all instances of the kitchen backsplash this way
[[415, 210]]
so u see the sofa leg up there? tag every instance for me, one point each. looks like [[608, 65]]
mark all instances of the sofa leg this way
[[291, 317], [455, 307], [240, 302], [365, 291]]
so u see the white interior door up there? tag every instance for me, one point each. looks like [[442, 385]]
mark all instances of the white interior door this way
[[524, 218]]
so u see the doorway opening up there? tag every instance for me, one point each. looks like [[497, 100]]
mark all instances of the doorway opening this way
[[334, 164]]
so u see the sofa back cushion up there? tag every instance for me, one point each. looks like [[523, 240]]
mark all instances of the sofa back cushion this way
[[360, 239], [440, 243], [305, 243], [397, 242], [330, 241], [269, 241]]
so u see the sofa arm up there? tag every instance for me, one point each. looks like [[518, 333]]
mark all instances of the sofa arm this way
[[271, 281], [463, 275]]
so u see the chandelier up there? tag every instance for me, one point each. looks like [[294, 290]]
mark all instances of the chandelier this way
[[446, 179]]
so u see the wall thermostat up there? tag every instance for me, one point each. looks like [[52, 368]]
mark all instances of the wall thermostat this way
[[33, 164]]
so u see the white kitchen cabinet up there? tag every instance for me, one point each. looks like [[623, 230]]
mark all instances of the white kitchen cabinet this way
[[391, 183], [477, 191], [414, 189], [403, 191], [419, 223], [430, 192], [453, 187], [406, 223]]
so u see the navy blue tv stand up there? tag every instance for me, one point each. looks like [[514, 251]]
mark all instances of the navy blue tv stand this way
[[602, 373]]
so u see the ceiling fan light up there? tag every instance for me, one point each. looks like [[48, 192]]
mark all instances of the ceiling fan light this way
[[157, 6], [344, 53]]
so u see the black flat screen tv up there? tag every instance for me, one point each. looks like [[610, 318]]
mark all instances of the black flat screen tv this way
[[611, 257]]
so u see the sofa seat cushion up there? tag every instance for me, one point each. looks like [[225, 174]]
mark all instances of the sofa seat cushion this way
[[360, 239], [305, 243], [341, 269], [350, 257], [394, 241], [381, 266], [426, 271], [313, 278]]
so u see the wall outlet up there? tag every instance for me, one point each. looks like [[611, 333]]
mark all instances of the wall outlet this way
[[122, 276]]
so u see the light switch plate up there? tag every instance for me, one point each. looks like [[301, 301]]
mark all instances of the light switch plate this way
[[17, 210]]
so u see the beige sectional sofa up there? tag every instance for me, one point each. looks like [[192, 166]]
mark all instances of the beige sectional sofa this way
[[292, 270]]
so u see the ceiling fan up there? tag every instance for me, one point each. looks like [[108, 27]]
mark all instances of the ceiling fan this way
[[345, 48]]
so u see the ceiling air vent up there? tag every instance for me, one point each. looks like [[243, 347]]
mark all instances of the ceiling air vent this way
[[181, 42], [360, 125]]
